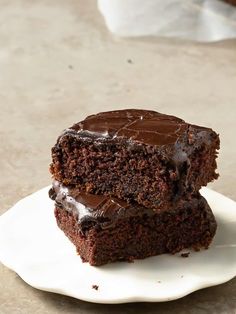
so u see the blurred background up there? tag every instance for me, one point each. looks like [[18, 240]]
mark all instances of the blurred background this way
[[59, 63]]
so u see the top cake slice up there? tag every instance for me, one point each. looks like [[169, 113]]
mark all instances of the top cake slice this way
[[136, 155]]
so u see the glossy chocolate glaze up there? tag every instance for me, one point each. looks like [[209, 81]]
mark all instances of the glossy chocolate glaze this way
[[169, 136], [140, 126], [101, 209]]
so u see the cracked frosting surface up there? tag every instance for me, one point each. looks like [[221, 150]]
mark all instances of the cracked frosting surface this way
[[142, 126]]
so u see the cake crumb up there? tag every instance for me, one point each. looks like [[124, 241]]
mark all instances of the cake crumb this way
[[185, 254], [95, 287]]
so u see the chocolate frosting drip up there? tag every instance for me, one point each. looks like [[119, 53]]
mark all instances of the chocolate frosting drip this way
[[100, 209]]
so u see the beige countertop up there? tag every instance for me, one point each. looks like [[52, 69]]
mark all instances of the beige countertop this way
[[58, 64]]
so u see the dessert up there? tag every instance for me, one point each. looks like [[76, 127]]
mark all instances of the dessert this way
[[105, 229], [126, 185], [136, 155]]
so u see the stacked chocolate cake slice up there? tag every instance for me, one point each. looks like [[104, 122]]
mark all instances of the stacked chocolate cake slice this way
[[126, 185]]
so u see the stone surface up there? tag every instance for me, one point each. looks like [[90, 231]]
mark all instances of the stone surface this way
[[58, 64]]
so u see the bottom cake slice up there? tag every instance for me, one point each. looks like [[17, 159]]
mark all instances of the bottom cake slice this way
[[106, 229]]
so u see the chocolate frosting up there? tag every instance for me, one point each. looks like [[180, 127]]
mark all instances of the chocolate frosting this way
[[170, 137], [142, 126], [100, 209]]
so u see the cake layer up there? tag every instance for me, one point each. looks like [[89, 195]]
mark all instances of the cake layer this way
[[136, 155], [105, 229]]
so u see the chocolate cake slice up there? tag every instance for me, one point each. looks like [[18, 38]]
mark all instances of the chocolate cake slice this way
[[136, 155], [105, 229]]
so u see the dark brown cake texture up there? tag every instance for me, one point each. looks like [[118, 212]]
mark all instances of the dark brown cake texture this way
[[105, 229], [137, 156]]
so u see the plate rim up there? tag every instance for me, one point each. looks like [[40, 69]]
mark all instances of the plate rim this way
[[197, 285]]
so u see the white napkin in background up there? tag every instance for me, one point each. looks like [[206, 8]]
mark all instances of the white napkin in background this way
[[200, 20]]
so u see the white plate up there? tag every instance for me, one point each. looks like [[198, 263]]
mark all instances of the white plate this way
[[32, 245]]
